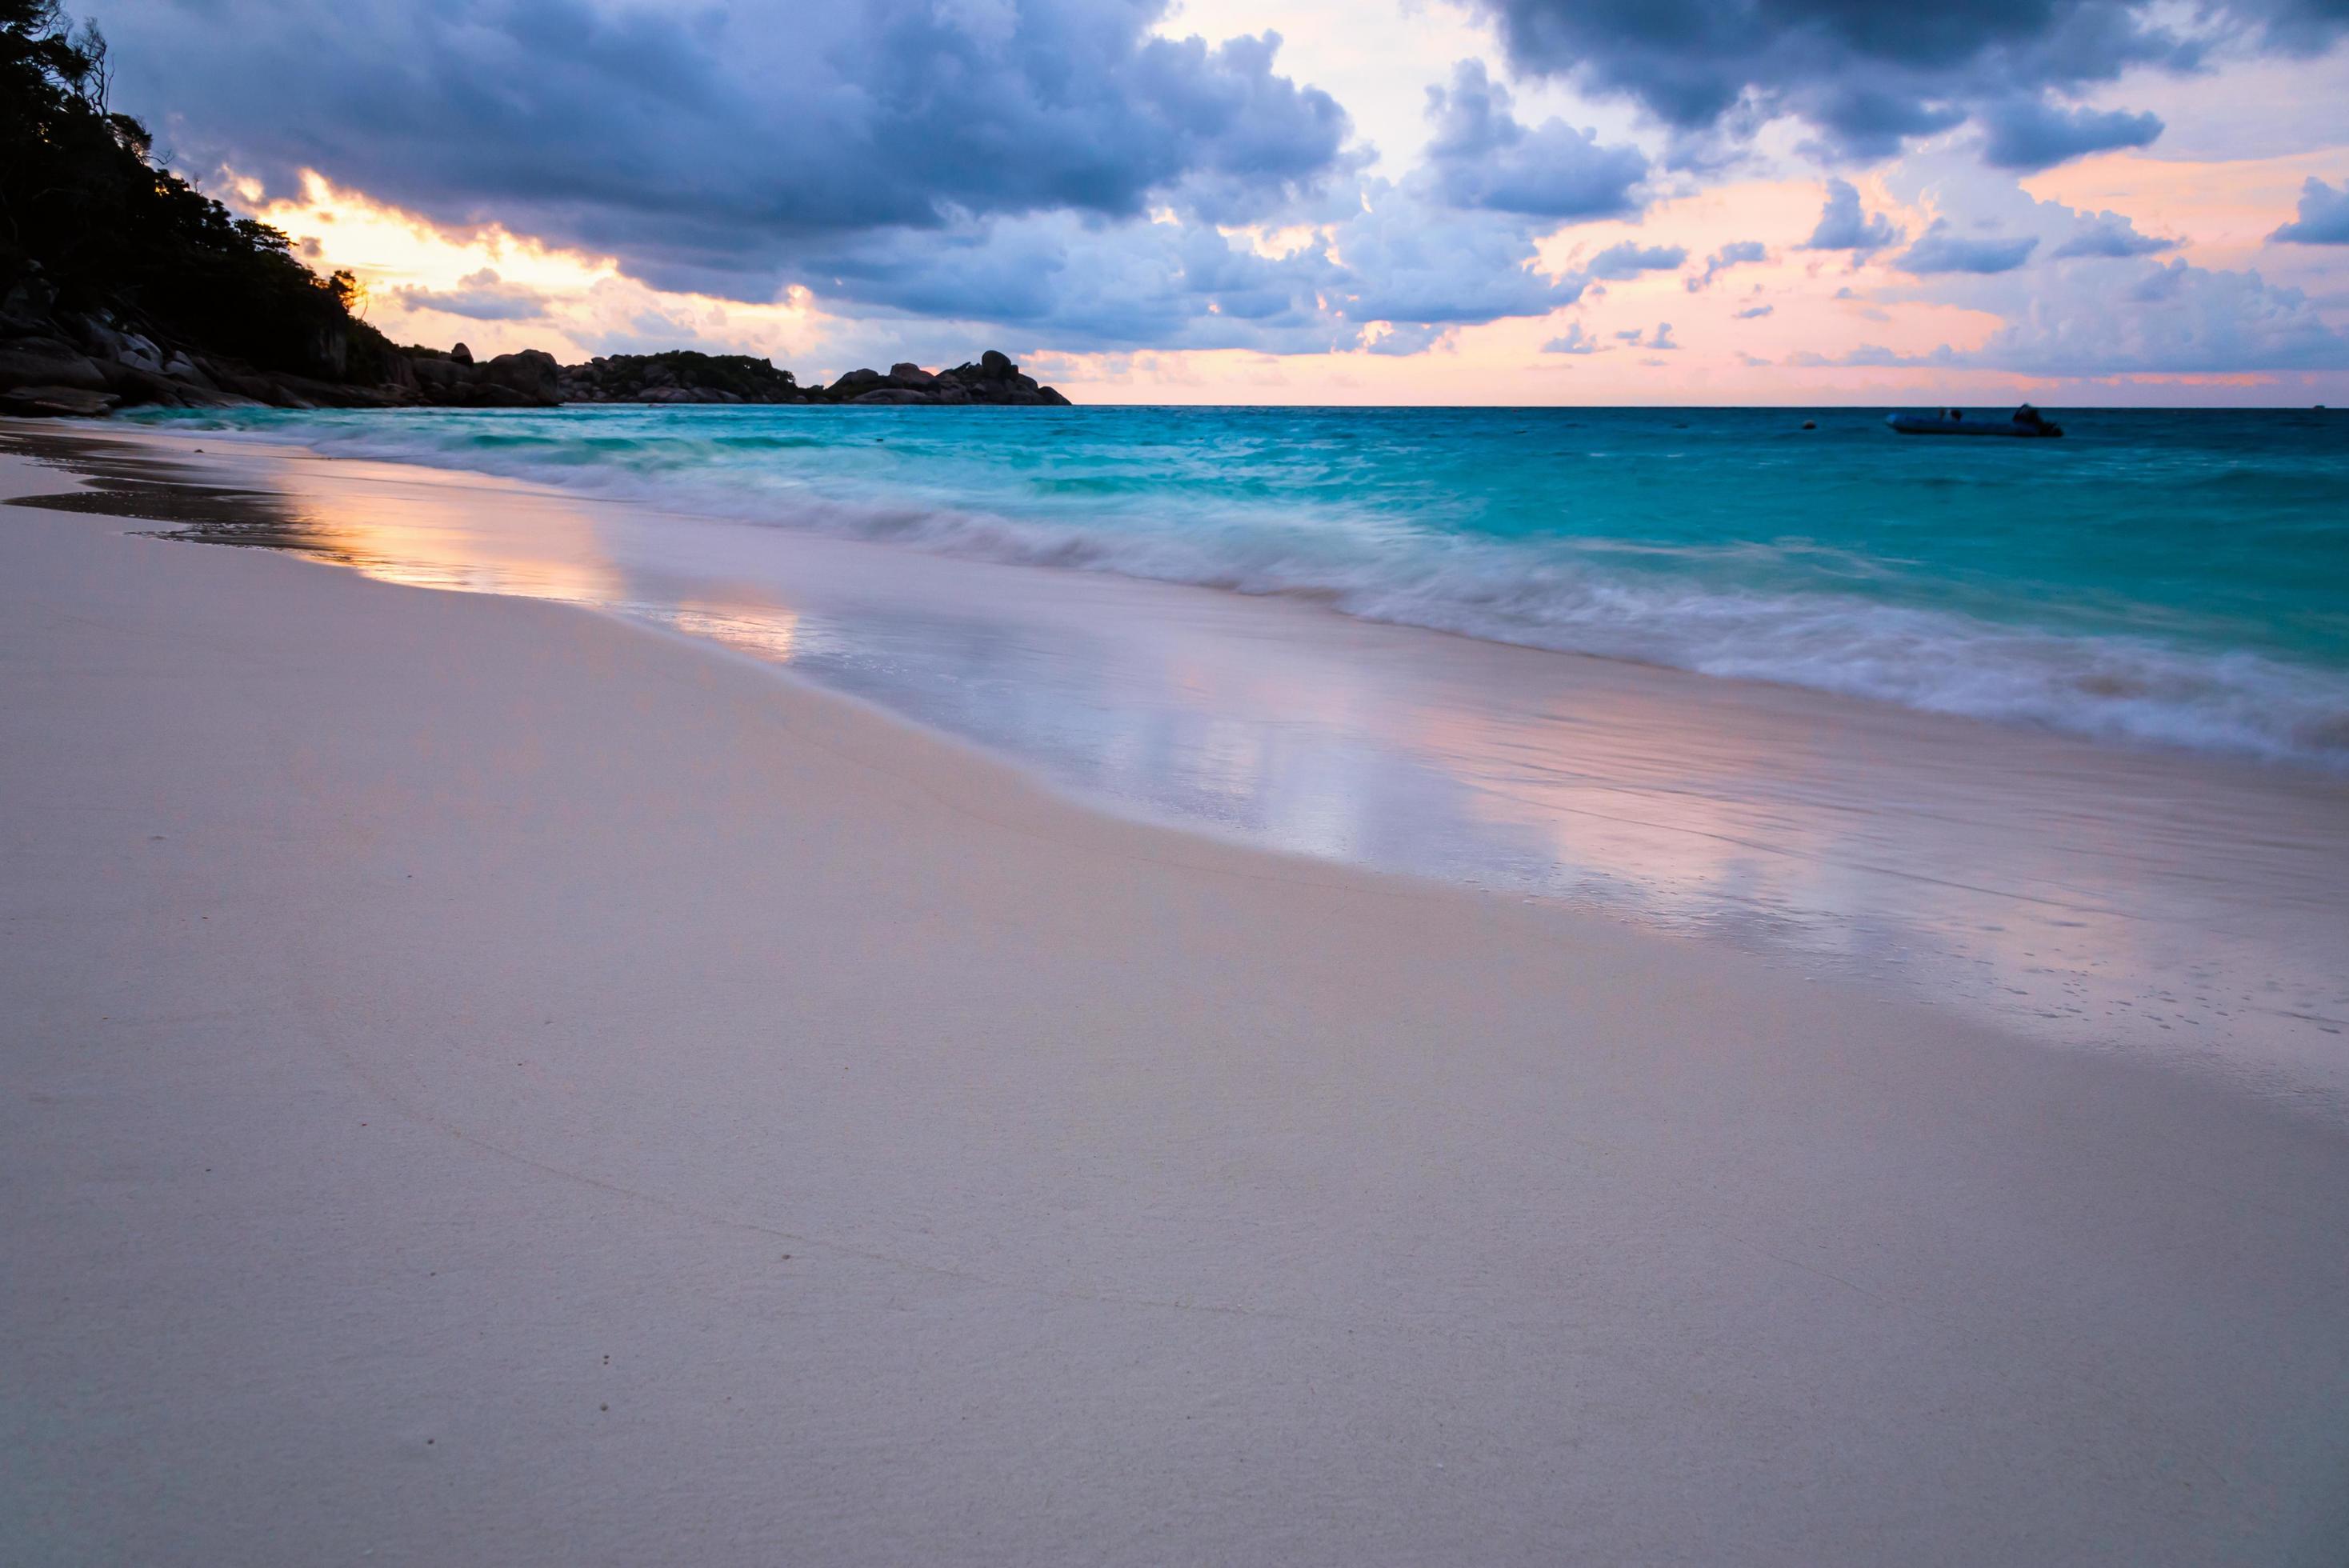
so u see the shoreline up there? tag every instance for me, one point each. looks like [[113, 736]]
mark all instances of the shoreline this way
[[1925, 642], [497, 1085], [2100, 897]]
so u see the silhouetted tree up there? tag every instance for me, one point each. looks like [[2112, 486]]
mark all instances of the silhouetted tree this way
[[82, 196]]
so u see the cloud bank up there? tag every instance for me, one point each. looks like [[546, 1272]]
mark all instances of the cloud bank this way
[[709, 147], [1869, 76]]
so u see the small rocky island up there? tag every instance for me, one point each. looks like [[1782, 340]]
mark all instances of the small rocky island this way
[[684, 377]]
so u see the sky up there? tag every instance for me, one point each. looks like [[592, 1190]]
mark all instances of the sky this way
[[1515, 202]]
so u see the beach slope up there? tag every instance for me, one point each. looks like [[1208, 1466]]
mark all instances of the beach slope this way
[[489, 1084]]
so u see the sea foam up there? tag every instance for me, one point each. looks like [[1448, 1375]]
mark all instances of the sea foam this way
[[1854, 565]]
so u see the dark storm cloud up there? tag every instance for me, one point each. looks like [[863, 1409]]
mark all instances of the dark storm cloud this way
[[1869, 75], [1482, 157], [2324, 217], [2305, 27], [709, 147], [1393, 268]]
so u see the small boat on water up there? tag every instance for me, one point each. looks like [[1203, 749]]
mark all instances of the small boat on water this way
[[2024, 421]]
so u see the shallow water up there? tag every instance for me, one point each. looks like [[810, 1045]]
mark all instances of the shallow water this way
[[2101, 896], [2173, 577]]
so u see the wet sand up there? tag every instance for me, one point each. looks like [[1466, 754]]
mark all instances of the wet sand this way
[[2171, 907], [489, 1083]]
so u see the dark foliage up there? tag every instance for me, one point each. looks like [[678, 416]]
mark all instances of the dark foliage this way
[[82, 197]]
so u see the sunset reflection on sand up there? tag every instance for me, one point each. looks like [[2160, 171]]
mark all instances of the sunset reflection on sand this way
[[2093, 895]]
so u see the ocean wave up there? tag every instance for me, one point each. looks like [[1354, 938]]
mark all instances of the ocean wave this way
[[1384, 566]]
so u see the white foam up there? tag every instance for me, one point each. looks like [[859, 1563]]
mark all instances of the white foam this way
[[2114, 687]]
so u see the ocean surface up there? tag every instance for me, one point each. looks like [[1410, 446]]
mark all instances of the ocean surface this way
[[2055, 733], [2167, 578]]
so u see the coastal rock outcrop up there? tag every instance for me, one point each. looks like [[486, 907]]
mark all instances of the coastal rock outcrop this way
[[54, 362], [58, 361], [685, 377], [529, 380], [680, 375], [69, 402], [992, 379]]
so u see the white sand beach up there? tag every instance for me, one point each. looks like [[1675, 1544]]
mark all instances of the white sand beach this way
[[491, 1084]]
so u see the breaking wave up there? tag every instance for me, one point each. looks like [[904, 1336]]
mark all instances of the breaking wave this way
[[1323, 512]]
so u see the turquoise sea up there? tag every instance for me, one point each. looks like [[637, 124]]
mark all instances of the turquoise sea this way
[[2174, 578], [2142, 848]]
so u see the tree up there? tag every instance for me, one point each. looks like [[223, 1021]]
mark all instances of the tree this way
[[83, 200]]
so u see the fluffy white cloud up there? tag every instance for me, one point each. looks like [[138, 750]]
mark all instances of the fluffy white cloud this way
[[1481, 157], [2166, 318]]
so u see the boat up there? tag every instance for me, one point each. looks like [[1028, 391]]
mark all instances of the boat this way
[[2027, 421]]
